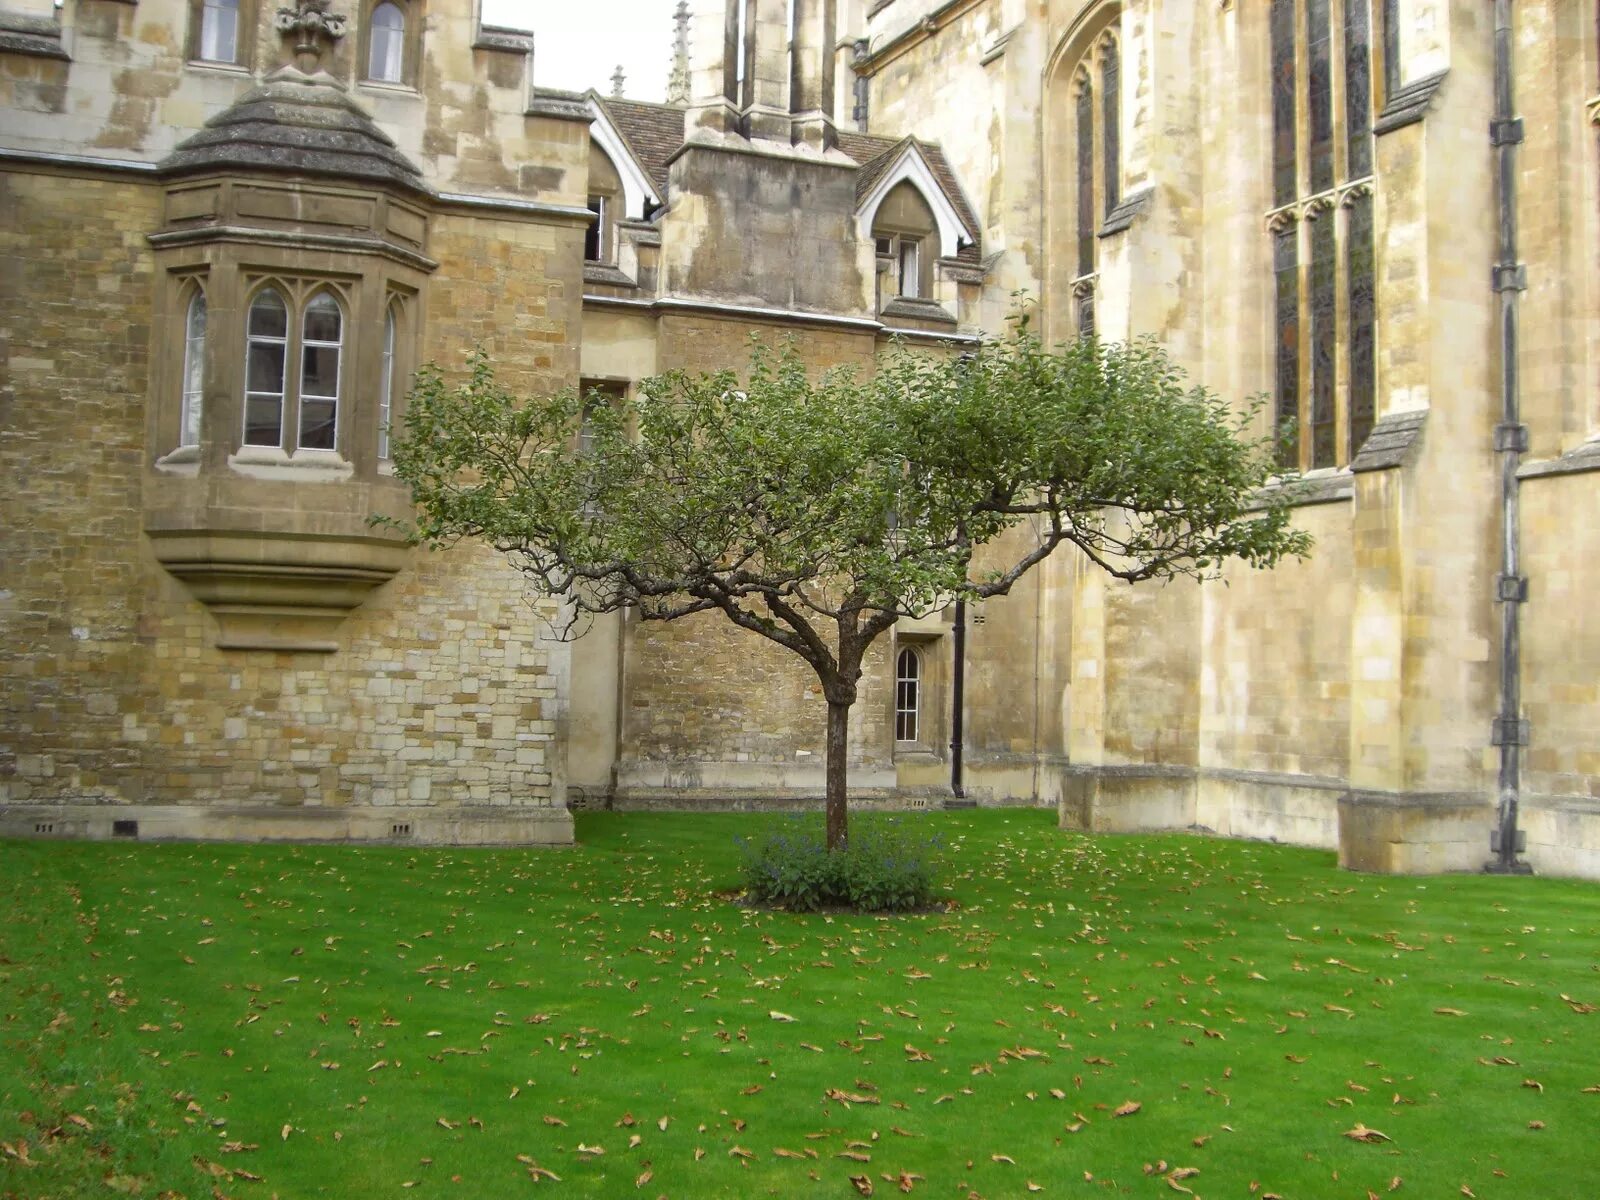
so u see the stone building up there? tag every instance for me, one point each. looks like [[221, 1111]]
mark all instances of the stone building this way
[[229, 230]]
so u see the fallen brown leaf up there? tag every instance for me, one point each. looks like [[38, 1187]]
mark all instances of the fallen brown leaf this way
[[1127, 1108], [1362, 1134], [862, 1184]]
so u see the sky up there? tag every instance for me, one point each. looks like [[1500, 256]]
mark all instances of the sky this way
[[577, 44]]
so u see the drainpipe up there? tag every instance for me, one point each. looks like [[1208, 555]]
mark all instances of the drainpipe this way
[[958, 689], [1510, 442]]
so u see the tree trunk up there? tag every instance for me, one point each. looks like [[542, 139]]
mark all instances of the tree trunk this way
[[838, 745]]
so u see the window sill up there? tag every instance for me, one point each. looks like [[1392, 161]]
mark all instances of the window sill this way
[[185, 460], [1326, 485], [392, 88], [917, 308], [595, 271], [303, 466], [221, 68]]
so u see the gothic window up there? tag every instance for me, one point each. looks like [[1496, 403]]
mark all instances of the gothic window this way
[[606, 201], [266, 353], [321, 347], [386, 385], [218, 30], [386, 53], [1322, 229], [308, 401], [1096, 149], [194, 368], [907, 695], [903, 233]]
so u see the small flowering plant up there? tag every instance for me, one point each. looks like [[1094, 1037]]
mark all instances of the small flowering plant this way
[[888, 865]]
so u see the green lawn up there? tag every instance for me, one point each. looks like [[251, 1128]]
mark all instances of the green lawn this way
[[357, 1022]]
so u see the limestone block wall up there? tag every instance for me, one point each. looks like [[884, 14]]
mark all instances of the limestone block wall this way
[[131, 91], [712, 710], [440, 716]]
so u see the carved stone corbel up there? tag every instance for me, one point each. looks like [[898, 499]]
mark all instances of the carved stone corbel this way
[[1354, 192], [1318, 205], [1283, 219]]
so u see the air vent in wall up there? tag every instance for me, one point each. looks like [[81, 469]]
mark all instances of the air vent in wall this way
[[125, 829]]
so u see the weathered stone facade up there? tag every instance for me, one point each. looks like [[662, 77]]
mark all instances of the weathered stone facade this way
[[209, 640]]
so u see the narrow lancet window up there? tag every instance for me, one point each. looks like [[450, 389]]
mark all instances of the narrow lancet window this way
[[1111, 116], [1286, 268], [194, 370], [266, 356], [1363, 320], [386, 386], [1085, 131], [907, 696], [321, 344], [1285, 184]]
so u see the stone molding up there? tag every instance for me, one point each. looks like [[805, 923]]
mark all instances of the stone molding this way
[[425, 825], [1123, 215], [1300, 491], [1409, 104], [1574, 462], [1390, 442], [37, 37]]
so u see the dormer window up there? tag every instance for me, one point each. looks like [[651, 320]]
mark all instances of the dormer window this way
[[903, 233], [606, 202]]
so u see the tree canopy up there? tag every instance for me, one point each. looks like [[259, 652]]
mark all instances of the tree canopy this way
[[817, 509]]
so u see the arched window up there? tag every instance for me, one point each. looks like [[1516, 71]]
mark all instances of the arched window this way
[[266, 359], [386, 385], [906, 239], [607, 203], [307, 402], [1096, 156], [219, 31], [387, 44], [321, 346], [1322, 229], [907, 696], [194, 370]]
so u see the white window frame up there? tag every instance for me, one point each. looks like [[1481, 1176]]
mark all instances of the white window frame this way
[[308, 345], [908, 265], [298, 349], [908, 715], [254, 339]]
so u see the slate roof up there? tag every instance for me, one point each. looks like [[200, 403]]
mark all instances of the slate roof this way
[[654, 131], [296, 122]]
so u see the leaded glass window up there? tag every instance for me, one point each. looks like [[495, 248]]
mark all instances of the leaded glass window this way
[[321, 347], [1096, 144], [1325, 309], [266, 355]]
